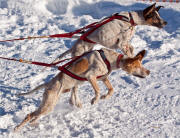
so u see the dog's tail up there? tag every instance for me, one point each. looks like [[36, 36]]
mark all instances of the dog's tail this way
[[32, 91], [60, 57]]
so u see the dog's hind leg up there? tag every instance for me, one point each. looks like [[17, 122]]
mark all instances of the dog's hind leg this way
[[50, 98], [26, 120], [110, 89], [29, 118], [74, 100]]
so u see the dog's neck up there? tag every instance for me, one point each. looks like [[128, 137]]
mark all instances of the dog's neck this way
[[138, 17], [115, 59]]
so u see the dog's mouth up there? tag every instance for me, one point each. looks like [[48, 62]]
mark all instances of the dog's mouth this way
[[139, 76], [162, 25]]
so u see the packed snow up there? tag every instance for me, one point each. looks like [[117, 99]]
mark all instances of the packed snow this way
[[139, 108]]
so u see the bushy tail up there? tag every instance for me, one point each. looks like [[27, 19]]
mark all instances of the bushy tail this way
[[32, 91]]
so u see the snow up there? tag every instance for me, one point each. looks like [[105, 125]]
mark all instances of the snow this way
[[139, 107]]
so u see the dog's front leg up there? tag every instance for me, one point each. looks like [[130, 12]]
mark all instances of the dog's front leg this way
[[93, 81], [110, 89], [127, 49], [131, 49]]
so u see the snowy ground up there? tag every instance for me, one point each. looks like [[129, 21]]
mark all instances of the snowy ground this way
[[139, 107]]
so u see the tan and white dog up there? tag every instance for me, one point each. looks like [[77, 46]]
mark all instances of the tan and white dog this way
[[118, 33], [89, 66]]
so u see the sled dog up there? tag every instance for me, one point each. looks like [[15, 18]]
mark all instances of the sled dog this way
[[89, 66], [118, 33]]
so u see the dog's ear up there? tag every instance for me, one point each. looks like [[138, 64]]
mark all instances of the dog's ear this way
[[157, 8], [149, 10], [140, 55]]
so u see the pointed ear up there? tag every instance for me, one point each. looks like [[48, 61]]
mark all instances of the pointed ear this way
[[148, 10], [158, 7], [140, 55]]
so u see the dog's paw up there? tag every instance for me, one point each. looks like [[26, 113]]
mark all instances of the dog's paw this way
[[71, 102], [94, 101], [104, 97], [79, 105], [16, 129], [34, 124]]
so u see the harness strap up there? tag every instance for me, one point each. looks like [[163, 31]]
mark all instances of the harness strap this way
[[118, 60], [64, 67], [92, 27], [66, 35], [72, 75], [69, 73], [106, 20], [70, 35], [132, 20]]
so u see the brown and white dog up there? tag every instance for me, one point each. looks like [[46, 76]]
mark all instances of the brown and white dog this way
[[89, 66], [118, 33]]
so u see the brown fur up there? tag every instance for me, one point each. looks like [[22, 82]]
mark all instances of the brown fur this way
[[148, 10], [80, 67], [133, 63]]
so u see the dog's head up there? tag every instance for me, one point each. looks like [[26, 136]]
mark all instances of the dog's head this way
[[152, 16], [134, 66]]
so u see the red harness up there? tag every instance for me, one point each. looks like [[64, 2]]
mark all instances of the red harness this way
[[92, 27], [106, 20], [118, 60], [64, 68], [69, 73]]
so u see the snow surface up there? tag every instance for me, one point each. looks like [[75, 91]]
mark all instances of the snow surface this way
[[139, 107]]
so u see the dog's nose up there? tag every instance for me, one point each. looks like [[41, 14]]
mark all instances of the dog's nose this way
[[148, 72], [165, 22]]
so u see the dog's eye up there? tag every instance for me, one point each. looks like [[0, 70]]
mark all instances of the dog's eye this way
[[149, 16], [136, 66], [155, 17], [152, 15]]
